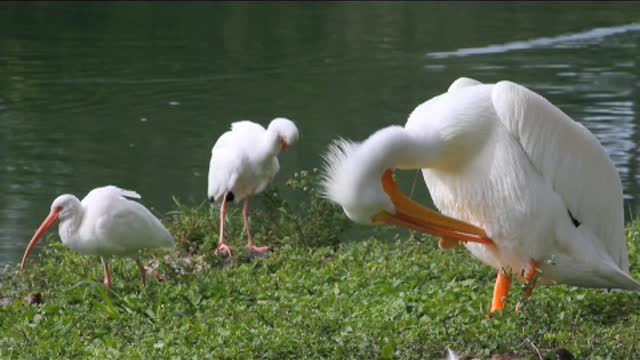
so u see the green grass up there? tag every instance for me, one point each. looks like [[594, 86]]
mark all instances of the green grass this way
[[324, 292]]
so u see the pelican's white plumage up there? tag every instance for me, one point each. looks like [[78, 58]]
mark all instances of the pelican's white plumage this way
[[105, 223], [243, 163], [502, 158]]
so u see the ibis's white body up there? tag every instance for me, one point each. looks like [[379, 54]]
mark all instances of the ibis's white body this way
[[106, 223], [243, 161], [516, 165]]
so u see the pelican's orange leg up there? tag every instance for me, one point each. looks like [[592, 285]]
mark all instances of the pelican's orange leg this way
[[528, 278], [501, 291]]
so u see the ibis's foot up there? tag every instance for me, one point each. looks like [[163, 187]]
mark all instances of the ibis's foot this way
[[258, 249], [225, 249], [107, 283]]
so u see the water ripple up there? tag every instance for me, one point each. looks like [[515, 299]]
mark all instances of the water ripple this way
[[556, 41]]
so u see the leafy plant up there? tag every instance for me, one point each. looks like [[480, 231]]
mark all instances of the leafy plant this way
[[321, 293]]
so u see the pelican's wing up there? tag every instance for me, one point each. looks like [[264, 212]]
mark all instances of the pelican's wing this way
[[570, 159]]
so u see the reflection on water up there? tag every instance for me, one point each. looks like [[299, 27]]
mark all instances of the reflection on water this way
[[135, 94]]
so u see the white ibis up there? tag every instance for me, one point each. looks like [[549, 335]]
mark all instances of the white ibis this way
[[243, 162], [105, 224], [524, 187]]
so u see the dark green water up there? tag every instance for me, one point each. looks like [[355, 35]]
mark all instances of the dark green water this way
[[135, 94]]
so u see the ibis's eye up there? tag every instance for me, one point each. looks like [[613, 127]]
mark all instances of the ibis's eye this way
[[58, 208]]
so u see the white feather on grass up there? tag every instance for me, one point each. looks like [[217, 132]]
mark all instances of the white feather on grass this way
[[451, 355]]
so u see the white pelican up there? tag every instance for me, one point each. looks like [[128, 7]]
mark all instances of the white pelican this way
[[105, 223], [532, 190], [243, 162]]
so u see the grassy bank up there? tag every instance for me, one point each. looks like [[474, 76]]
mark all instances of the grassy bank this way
[[322, 293]]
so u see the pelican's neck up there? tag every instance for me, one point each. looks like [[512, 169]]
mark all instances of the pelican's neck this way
[[394, 147], [355, 170], [70, 222]]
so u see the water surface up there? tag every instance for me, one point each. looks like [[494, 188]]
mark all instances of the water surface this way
[[135, 94]]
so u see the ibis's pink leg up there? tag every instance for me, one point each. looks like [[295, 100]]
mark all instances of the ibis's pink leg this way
[[107, 274], [143, 272], [250, 245], [222, 247]]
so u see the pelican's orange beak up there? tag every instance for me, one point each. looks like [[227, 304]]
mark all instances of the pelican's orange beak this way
[[52, 219], [417, 217]]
